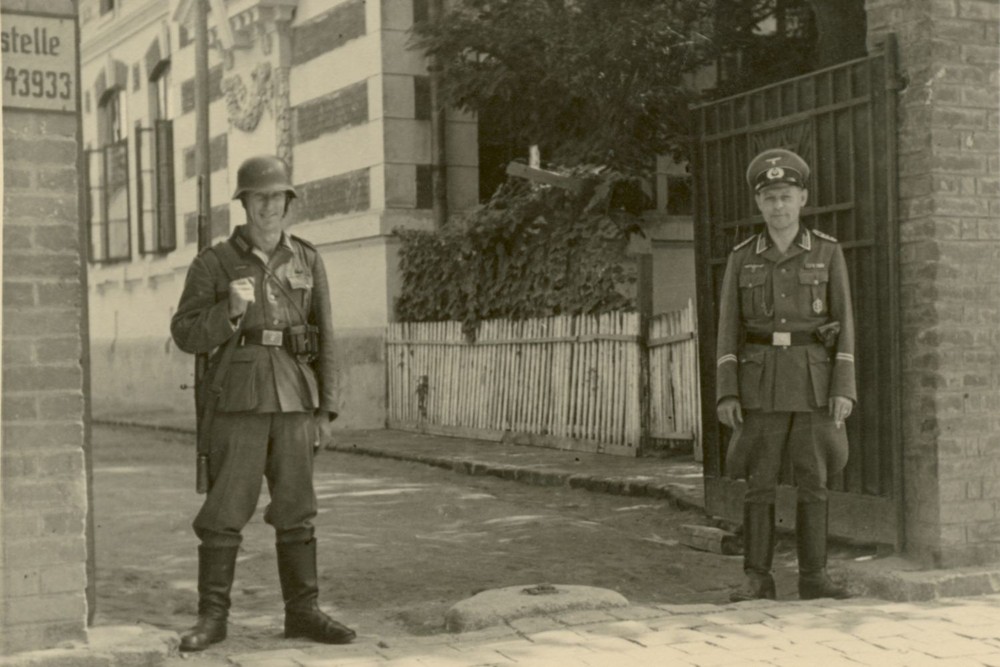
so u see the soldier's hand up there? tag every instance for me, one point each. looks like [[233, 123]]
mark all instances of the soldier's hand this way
[[840, 409], [730, 411], [324, 430], [240, 296]]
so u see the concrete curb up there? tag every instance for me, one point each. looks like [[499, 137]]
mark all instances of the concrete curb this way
[[534, 476], [896, 579], [107, 646]]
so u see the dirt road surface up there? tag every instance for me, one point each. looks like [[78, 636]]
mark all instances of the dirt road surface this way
[[399, 543]]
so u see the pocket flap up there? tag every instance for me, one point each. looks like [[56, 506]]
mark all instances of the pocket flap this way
[[814, 276], [752, 278], [752, 357], [301, 280]]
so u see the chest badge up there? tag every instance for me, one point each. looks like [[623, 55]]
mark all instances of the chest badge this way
[[818, 306]]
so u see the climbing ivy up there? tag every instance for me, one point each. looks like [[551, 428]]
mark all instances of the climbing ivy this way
[[531, 251]]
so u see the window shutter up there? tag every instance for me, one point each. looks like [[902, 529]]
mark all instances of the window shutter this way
[[166, 216]]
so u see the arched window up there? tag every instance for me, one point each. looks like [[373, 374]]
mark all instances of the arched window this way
[[155, 158], [107, 171]]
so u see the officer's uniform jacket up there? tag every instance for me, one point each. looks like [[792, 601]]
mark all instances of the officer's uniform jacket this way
[[764, 292], [262, 378]]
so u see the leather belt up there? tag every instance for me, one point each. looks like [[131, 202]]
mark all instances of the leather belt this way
[[783, 338], [266, 337]]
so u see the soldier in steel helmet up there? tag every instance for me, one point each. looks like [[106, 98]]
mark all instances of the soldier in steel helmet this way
[[263, 295], [786, 379]]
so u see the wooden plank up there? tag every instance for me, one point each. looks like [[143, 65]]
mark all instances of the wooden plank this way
[[673, 338], [535, 175]]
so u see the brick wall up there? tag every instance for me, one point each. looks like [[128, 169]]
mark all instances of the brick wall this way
[[949, 183], [44, 481]]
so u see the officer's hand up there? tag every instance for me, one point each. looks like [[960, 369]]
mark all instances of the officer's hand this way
[[324, 430], [840, 409], [730, 411], [240, 296]]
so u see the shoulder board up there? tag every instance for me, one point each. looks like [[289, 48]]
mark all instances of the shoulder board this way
[[824, 235], [303, 241], [744, 242]]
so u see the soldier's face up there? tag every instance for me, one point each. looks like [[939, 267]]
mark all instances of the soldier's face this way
[[781, 205], [266, 210]]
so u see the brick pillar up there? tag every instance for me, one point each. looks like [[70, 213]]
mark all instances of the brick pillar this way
[[44, 504], [949, 184]]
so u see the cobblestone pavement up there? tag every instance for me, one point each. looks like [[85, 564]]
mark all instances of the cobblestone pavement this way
[[955, 632]]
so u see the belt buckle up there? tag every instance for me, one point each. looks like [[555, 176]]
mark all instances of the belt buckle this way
[[271, 337], [781, 338]]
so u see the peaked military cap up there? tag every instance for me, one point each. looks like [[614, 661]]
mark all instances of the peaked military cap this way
[[777, 165]]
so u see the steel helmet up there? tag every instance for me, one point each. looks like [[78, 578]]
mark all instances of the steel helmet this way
[[263, 173]]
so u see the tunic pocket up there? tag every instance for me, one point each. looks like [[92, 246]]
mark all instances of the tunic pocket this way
[[752, 297], [752, 379], [302, 283], [819, 375], [813, 284], [239, 390]]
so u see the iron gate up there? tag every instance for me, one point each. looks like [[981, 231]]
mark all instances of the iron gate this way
[[842, 121]]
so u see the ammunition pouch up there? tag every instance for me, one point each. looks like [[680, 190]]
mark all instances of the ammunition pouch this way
[[302, 340]]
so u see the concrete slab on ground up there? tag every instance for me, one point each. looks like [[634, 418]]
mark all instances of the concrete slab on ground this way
[[502, 605]]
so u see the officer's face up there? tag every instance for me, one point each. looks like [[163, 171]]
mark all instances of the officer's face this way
[[266, 210], [781, 204]]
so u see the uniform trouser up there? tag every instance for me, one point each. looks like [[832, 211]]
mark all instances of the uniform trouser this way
[[817, 449], [246, 448]]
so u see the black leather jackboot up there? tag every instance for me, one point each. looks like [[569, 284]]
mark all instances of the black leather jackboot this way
[[300, 590], [810, 541], [758, 554], [216, 567]]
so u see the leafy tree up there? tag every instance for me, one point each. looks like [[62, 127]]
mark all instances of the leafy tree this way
[[610, 81], [588, 81]]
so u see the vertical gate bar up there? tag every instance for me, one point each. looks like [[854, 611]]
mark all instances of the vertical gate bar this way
[[711, 466], [891, 173]]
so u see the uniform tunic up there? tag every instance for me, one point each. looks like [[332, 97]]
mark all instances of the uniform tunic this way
[[784, 385], [263, 426]]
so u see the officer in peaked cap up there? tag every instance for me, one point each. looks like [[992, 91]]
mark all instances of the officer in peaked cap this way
[[785, 371], [777, 165], [263, 295]]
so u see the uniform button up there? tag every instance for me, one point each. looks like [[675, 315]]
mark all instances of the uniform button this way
[[783, 320], [784, 270], [784, 296], [275, 321]]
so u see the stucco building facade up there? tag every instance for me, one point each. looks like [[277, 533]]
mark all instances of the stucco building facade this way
[[330, 86]]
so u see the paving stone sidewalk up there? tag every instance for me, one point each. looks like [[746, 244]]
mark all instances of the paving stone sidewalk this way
[[959, 633]]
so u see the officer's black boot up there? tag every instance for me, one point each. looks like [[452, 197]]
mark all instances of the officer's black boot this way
[[216, 567], [758, 553], [810, 541], [300, 589]]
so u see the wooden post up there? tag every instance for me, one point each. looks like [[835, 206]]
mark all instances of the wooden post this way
[[202, 169], [644, 304]]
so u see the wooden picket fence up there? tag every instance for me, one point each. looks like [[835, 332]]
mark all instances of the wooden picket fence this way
[[674, 386], [572, 382]]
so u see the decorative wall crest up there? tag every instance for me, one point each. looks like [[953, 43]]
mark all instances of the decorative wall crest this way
[[245, 107]]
